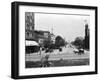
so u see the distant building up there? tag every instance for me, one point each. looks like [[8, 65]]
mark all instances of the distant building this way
[[40, 36], [87, 36], [52, 38]]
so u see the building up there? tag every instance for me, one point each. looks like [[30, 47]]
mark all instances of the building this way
[[52, 38], [29, 26], [87, 36], [41, 36], [35, 35]]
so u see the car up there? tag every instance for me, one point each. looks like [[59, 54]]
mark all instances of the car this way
[[78, 51], [81, 51]]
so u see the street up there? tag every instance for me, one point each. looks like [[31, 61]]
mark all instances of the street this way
[[66, 53]]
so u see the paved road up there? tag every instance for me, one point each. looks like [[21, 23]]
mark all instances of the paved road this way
[[67, 53]]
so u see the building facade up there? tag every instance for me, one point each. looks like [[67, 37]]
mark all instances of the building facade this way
[[29, 26], [41, 36]]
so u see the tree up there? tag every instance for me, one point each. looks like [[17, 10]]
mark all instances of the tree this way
[[47, 43], [59, 41], [79, 42]]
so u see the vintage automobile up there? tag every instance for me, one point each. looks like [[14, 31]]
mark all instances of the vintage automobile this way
[[78, 51]]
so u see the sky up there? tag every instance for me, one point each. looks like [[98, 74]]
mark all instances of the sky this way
[[66, 25]]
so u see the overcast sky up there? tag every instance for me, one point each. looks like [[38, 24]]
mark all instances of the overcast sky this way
[[67, 26]]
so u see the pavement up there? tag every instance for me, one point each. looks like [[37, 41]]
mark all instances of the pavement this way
[[66, 53]]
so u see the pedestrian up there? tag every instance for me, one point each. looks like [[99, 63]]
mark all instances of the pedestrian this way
[[44, 61]]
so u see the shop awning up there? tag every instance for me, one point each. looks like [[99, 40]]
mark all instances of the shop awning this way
[[31, 43]]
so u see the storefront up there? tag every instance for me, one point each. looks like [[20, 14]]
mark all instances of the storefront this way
[[31, 47]]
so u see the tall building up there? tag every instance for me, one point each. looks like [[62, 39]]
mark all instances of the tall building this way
[[29, 26], [87, 36]]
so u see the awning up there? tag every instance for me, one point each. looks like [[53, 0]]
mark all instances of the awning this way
[[31, 43]]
